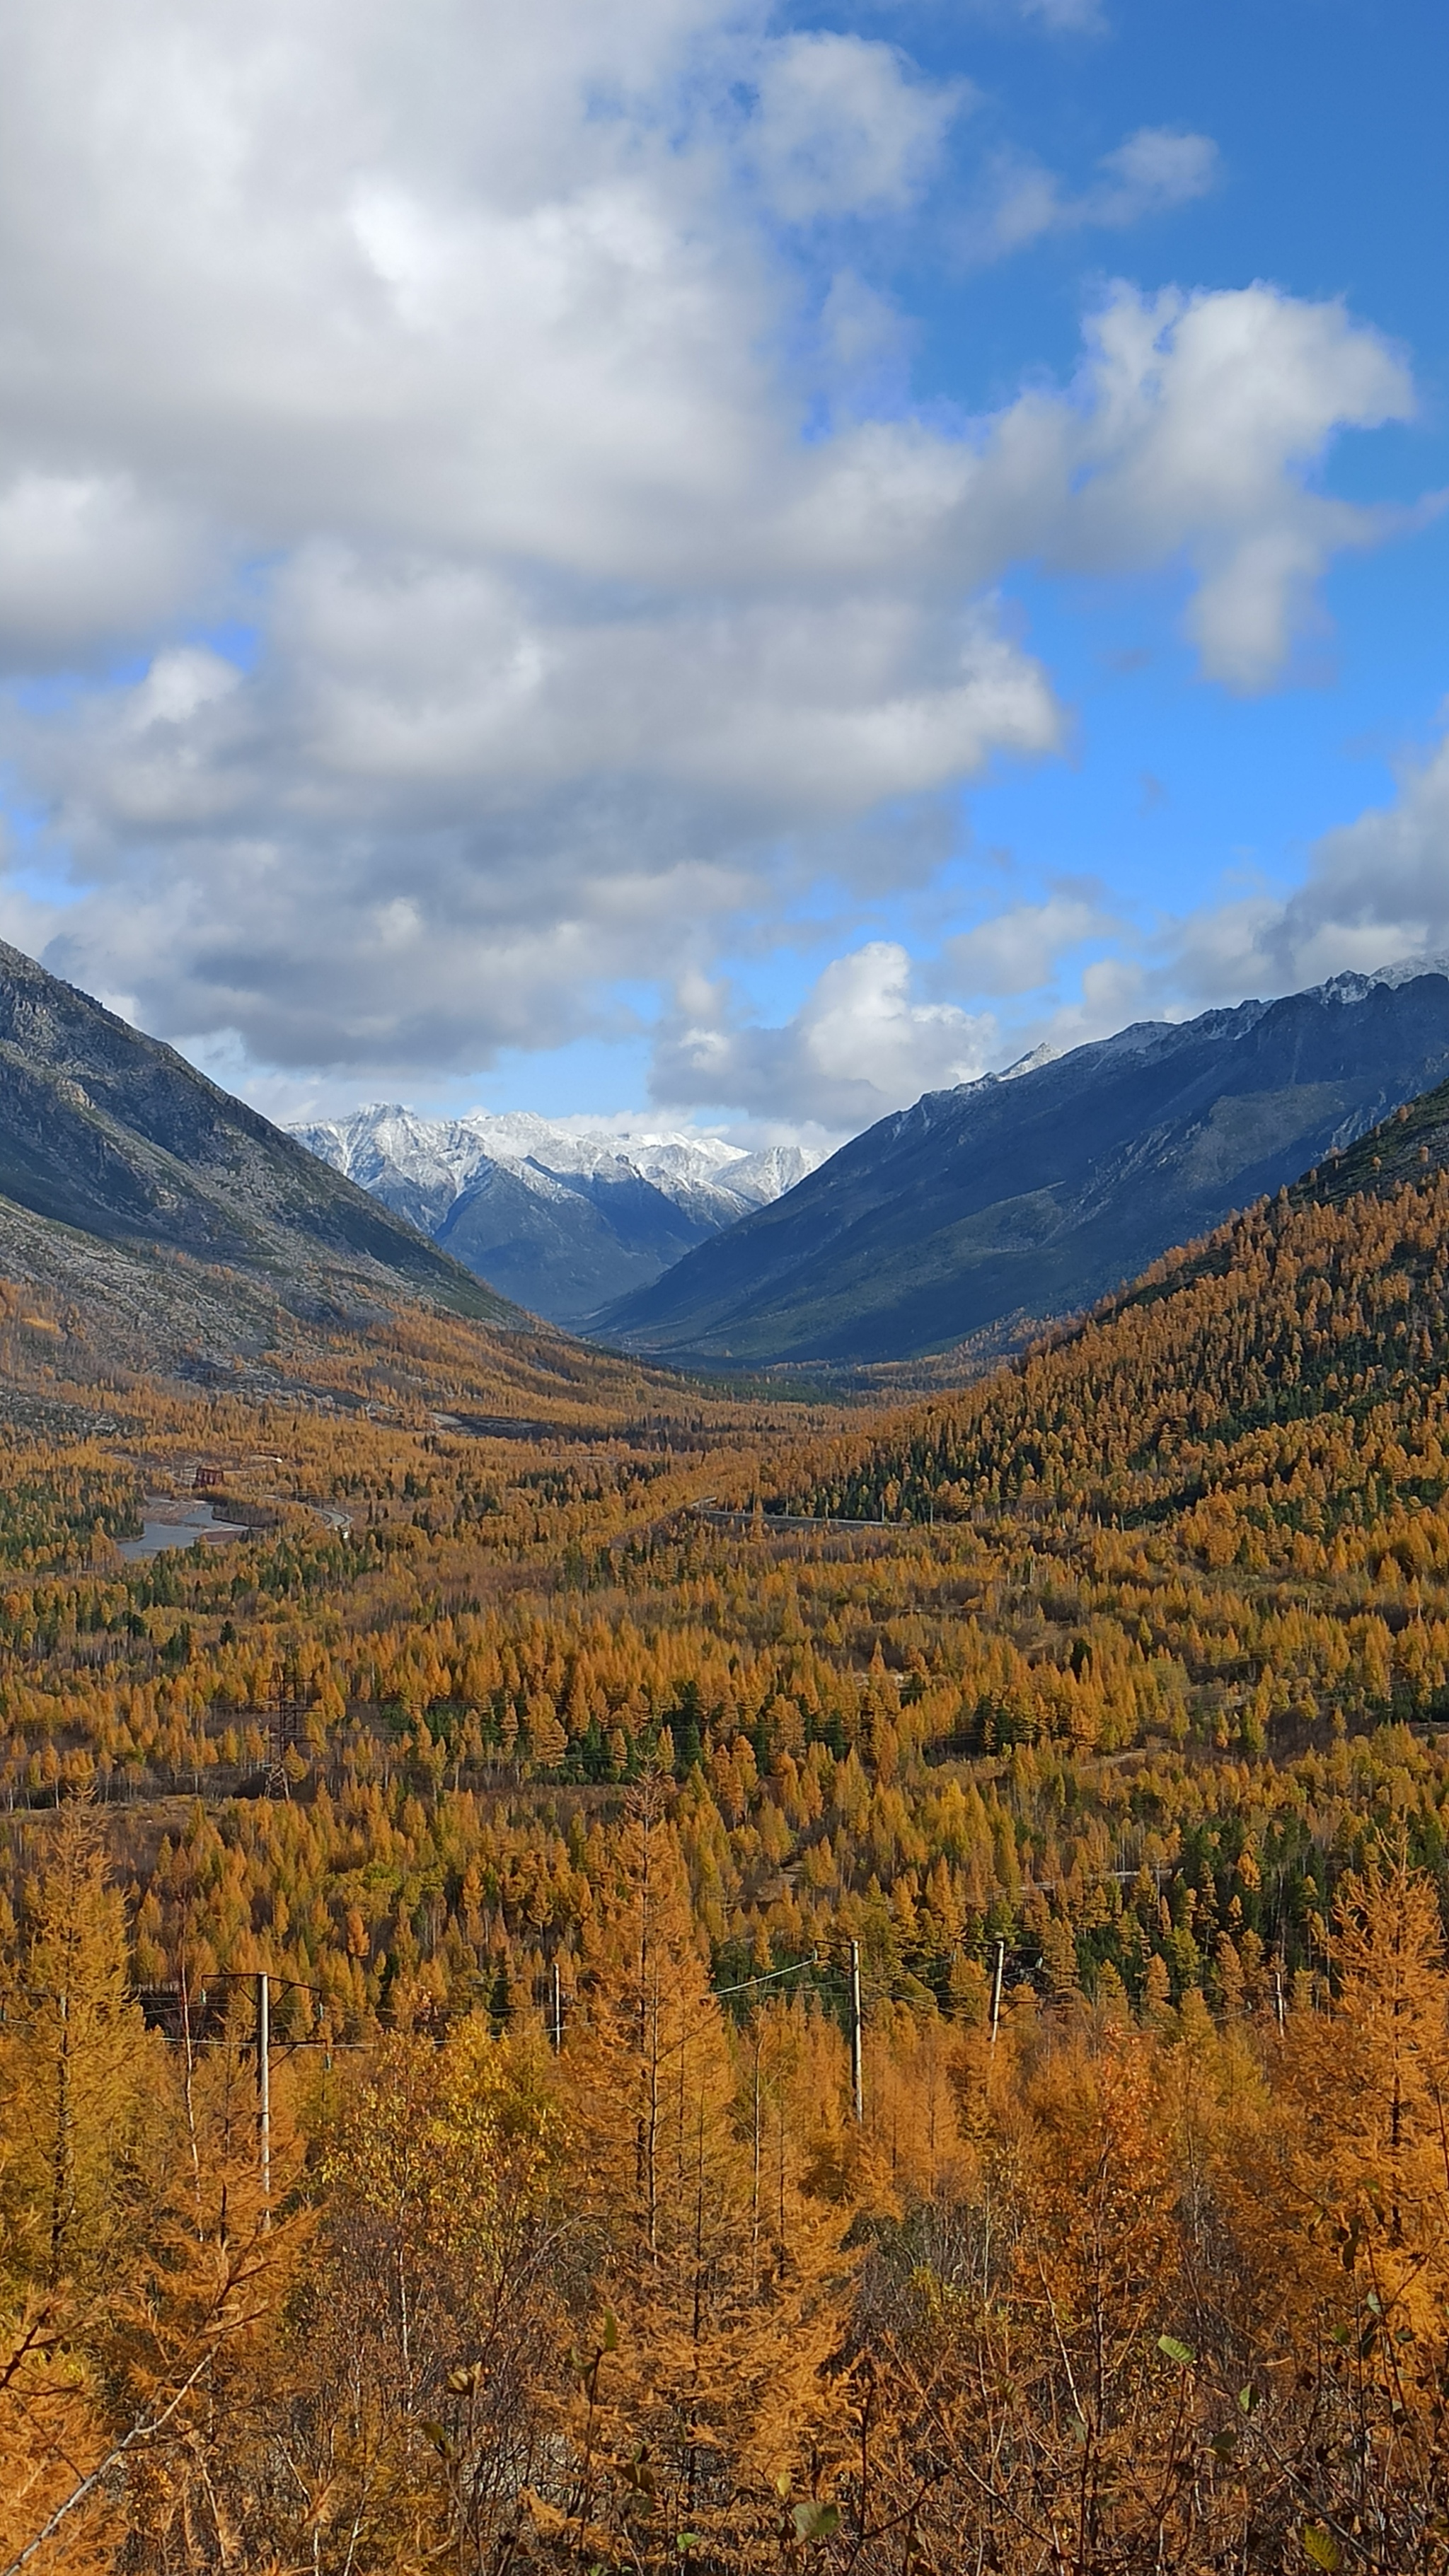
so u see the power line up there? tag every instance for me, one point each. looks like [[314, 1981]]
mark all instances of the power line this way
[[814, 1961]]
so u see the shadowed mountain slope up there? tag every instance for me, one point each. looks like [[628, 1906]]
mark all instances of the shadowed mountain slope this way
[[120, 1163], [988, 1209]]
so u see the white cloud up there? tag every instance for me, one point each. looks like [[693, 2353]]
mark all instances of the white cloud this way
[[449, 349], [439, 823], [1376, 890], [563, 784], [858, 1047], [1192, 433], [844, 127], [1018, 951], [864, 1042], [1157, 168], [863, 342], [1211, 413], [86, 559], [1113, 992]]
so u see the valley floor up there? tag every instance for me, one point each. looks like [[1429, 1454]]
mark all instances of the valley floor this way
[[903, 2030]]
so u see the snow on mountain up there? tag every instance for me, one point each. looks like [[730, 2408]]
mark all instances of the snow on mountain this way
[[571, 1216], [386, 1143]]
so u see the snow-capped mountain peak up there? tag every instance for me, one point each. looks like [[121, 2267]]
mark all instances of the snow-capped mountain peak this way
[[569, 1214]]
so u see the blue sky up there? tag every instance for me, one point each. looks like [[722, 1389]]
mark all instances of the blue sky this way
[[710, 562], [1332, 182]]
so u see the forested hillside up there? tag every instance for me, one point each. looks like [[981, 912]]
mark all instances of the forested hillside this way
[[561, 1748]]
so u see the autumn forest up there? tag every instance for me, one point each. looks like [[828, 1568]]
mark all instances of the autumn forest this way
[[622, 1973]]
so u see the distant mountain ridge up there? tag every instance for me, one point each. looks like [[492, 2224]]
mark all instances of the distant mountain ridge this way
[[987, 1209], [562, 1221], [126, 1172]]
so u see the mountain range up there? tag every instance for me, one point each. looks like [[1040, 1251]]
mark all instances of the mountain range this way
[[990, 1208], [562, 1221], [133, 1185], [189, 1224]]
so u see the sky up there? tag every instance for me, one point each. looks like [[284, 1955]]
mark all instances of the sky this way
[[716, 564]]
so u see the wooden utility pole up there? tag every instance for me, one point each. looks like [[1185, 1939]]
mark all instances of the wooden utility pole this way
[[857, 2063], [264, 2090], [557, 2006], [997, 1975]]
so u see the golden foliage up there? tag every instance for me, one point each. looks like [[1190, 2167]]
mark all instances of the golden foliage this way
[[549, 1778]]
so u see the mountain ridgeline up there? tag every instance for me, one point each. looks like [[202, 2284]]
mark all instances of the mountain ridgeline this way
[[985, 1211], [126, 1174], [564, 1222]]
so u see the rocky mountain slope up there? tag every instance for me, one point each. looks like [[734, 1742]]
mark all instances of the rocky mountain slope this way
[[1028, 1195], [126, 1177], [563, 1222]]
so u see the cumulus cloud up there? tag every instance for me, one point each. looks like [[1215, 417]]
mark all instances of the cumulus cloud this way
[[452, 352], [858, 1047], [461, 792], [439, 820], [1212, 412], [844, 127]]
